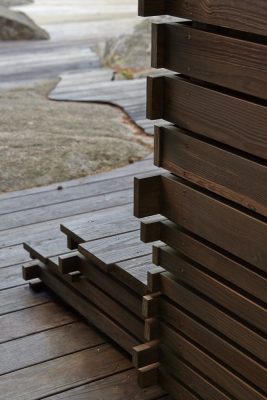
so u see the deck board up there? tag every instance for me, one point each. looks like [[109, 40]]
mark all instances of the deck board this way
[[35, 326]]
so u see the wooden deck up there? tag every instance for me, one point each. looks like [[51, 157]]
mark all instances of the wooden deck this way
[[46, 350]]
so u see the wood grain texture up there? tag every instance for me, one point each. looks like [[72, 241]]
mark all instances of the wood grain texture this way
[[50, 377], [188, 376], [120, 386], [237, 14], [202, 110], [201, 252], [216, 372], [43, 346], [203, 309], [212, 167], [217, 346], [234, 302], [211, 57], [33, 320], [213, 220], [94, 315]]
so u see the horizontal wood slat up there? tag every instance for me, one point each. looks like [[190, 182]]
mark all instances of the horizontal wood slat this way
[[205, 310], [212, 369], [235, 231], [213, 343], [211, 258], [203, 110], [230, 62], [218, 292], [234, 14], [212, 167]]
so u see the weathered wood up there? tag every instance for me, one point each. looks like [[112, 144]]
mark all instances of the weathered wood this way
[[202, 109], [33, 320], [120, 386], [85, 366], [112, 250], [216, 372], [188, 376], [215, 289], [96, 317], [148, 376], [211, 219], [222, 171], [214, 344], [236, 14], [41, 347], [22, 297], [209, 257], [175, 388], [205, 310], [146, 354], [212, 57]]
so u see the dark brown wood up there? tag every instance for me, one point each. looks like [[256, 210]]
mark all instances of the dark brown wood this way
[[212, 219], [212, 167], [202, 110], [236, 14], [148, 185], [210, 258], [208, 56], [83, 366], [214, 344], [148, 376], [234, 302], [103, 322], [188, 376], [205, 310], [120, 386], [216, 372], [33, 320], [34, 349], [175, 388], [145, 354]]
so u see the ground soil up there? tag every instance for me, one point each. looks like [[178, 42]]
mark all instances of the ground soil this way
[[42, 141]]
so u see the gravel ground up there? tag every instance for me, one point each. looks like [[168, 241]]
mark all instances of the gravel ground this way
[[43, 141]]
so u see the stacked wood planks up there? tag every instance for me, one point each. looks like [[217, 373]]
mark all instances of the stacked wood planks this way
[[206, 319], [105, 278]]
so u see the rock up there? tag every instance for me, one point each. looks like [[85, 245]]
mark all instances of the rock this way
[[130, 51], [13, 3], [18, 26]]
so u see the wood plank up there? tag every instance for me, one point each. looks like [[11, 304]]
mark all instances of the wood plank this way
[[209, 257], [212, 219], [212, 57], [100, 320], [175, 388], [68, 372], [111, 285], [223, 172], [202, 110], [11, 277], [22, 297], [197, 278], [36, 201], [188, 376], [120, 314], [120, 386], [132, 169], [213, 344], [41, 347], [203, 309], [33, 320], [236, 14], [108, 225], [74, 207], [112, 250], [216, 372]]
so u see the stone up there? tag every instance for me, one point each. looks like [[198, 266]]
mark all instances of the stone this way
[[16, 25]]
